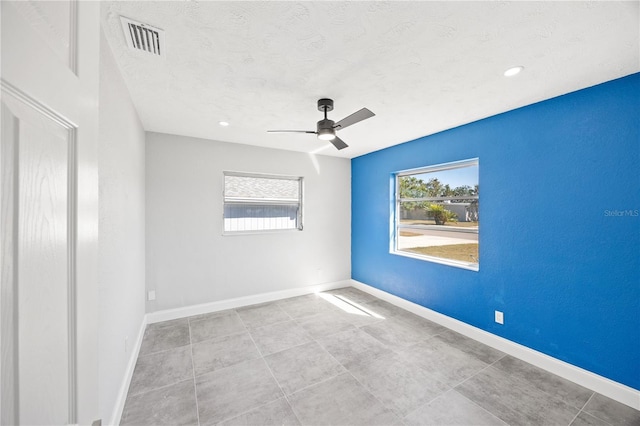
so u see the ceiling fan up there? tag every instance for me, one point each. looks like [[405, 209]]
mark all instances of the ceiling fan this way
[[326, 129]]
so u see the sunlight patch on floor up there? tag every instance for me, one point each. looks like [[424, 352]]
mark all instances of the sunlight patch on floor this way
[[349, 306]]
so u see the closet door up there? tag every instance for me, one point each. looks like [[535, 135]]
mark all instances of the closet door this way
[[48, 172]]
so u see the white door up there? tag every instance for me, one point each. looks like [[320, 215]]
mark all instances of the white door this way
[[48, 171]]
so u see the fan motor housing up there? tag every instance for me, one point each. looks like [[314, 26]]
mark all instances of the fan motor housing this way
[[326, 130], [325, 125]]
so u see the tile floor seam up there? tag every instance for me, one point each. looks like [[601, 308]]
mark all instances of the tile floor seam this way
[[215, 338], [286, 349], [275, 323], [284, 394], [344, 366], [257, 347], [191, 318], [231, 313], [392, 410], [268, 325], [473, 375], [150, 327], [401, 349], [595, 417], [503, 355], [220, 336], [333, 358], [318, 383], [193, 372], [155, 389], [255, 408], [206, 316], [197, 376], [163, 350], [589, 399], [244, 324], [360, 383], [331, 334], [582, 410], [275, 303], [518, 379], [544, 391], [312, 384], [366, 362], [427, 403], [574, 418], [481, 407]]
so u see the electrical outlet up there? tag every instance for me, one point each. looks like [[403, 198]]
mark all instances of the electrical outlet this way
[[499, 317], [151, 295]]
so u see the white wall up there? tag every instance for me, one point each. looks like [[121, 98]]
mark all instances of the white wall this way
[[121, 233], [190, 262]]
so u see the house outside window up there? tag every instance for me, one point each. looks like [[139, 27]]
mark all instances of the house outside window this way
[[261, 203], [436, 214]]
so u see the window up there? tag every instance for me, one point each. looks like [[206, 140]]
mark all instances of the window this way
[[436, 214], [255, 203]]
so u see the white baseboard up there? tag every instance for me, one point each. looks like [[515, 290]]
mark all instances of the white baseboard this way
[[238, 302], [124, 388], [597, 383]]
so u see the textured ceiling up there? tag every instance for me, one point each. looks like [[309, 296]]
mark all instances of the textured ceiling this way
[[422, 67]]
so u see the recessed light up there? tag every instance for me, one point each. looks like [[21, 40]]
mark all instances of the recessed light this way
[[223, 123], [513, 71]]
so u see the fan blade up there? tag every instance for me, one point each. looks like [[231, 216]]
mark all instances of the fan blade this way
[[354, 118], [291, 131], [338, 143]]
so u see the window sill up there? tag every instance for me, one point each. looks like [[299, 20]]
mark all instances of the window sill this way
[[270, 231], [448, 262]]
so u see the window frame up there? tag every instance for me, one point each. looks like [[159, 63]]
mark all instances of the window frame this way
[[395, 214], [249, 201]]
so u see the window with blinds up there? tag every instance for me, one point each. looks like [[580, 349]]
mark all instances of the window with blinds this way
[[257, 203]]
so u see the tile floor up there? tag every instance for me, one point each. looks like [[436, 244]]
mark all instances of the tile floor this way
[[339, 358]]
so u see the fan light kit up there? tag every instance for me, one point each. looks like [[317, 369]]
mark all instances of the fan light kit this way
[[326, 134], [223, 123], [326, 129]]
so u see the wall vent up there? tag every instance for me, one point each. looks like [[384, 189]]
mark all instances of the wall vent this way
[[143, 37]]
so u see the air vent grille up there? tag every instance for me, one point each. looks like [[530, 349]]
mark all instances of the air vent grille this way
[[143, 37]]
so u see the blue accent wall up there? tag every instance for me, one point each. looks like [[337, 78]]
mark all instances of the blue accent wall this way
[[560, 234]]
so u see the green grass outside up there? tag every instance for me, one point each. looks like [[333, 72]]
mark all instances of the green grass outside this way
[[463, 252], [431, 222], [409, 234]]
